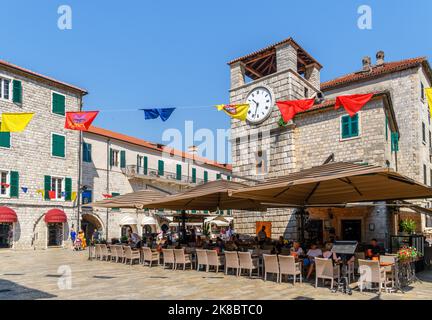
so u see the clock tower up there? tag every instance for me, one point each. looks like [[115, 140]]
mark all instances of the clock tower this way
[[262, 147]]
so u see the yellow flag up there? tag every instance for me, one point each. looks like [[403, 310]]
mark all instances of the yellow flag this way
[[73, 195], [41, 192], [236, 111], [429, 99], [15, 122]]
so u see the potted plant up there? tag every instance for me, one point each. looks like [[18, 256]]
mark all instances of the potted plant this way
[[407, 226], [124, 239]]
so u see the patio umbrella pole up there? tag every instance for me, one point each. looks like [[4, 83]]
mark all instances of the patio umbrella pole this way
[[183, 218]]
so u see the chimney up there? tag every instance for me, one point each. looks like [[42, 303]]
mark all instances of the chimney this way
[[380, 58], [366, 61]]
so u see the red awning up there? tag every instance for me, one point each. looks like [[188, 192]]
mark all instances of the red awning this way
[[7, 215], [55, 216]]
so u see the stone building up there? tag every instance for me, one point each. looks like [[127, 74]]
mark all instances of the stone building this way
[[116, 164], [40, 159], [265, 148]]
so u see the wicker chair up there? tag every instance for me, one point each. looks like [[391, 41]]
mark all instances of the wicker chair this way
[[288, 266], [150, 256], [232, 262], [131, 255], [105, 254], [98, 252], [324, 269], [120, 253], [202, 259], [182, 258], [213, 260], [247, 263], [271, 265], [168, 257], [371, 272]]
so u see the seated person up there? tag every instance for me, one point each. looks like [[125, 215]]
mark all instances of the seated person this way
[[279, 245], [373, 250], [220, 244], [312, 253], [296, 249]]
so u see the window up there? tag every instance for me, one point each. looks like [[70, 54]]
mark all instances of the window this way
[[58, 103], [205, 176], [218, 176], [193, 175], [237, 147], [140, 161], [428, 221], [178, 172], [115, 194], [123, 159], [395, 141], [161, 166], [87, 196], [5, 89], [422, 91], [349, 126], [114, 158], [4, 182], [424, 132], [386, 128], [57, 186], [306, 92], [424, 174], [5, 139], [58, 145], [87, 148]]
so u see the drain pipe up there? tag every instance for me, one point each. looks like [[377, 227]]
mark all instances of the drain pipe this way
[[107, 187]]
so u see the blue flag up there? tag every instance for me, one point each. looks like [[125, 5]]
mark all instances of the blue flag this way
[[163, 113], [24, 189]]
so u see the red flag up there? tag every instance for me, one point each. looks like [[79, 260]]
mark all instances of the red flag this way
[[107, 196], [353, 103], [80, 120], [6, 185], [290, 108], [51, 194]]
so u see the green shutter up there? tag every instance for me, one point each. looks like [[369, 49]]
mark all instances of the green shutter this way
[[345, 127], [229, 178], [14, 184], [218, 176], [395, 141], [161, 167], [193, 175], [354, 126], [145, 165], [205, 176], [58, 145], [87, 152], [111, 159], [5, 139], [58, 104], [178, 172], [386, 127], [115, 194], [47, 188], [122, 159], [17, 91], [138, 164], [68, 189], [193, 211]]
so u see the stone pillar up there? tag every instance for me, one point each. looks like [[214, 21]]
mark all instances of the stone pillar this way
[[237, 75], [312, 74], [286, 57]]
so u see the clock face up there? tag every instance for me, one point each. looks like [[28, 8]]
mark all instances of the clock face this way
[[260, 105]]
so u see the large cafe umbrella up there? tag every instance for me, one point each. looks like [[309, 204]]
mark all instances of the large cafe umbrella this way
[[336, 183], [131, 200]]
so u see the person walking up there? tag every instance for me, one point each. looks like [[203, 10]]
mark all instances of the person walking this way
[[73, 236]]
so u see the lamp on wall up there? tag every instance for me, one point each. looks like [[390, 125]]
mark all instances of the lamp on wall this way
[[371, 226]]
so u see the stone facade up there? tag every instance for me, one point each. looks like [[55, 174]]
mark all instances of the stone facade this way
[[30, 156]]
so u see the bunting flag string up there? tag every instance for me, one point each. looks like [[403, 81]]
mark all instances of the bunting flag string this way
[[290, 108], [107, 196], [429, 99], [353, 103], [80, 121], [236, 111], [73, 195], [6, 185], [163, 113], [15, 122], [24, 189], [41, 192]]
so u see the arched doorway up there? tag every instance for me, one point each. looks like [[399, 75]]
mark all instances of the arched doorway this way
[[90, 222]]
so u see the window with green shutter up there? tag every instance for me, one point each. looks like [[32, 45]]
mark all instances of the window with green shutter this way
[[218, 176], [87, 148], [14, 184], [68, 189], [5, 139], [122, 159], [394, 141], [115, 194], [58, 103], [47, 187], [386, 128], [58, 145], [229, 178], [205, 176], [145, 165], [17, 91], [178, 172], [161, 167], [349, 126], [193, 175]]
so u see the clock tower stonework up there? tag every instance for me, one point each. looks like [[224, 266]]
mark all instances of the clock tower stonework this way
[[267, 149]]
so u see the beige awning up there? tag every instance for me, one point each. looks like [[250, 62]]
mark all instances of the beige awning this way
[[336, 183], [210, 196], [129, 200]]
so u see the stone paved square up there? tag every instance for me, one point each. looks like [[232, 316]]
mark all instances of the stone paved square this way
[[37, 275]]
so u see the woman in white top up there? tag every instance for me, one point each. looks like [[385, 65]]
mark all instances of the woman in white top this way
[[312, 253]]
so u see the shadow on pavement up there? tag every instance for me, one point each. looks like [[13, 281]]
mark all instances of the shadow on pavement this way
[[10, 290]]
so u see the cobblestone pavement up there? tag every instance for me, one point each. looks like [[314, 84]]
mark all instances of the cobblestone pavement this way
[[37, 275]]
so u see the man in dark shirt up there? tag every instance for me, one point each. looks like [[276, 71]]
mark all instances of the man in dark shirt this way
[[373, 250]]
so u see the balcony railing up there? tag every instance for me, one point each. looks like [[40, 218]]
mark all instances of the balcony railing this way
[[133, 171]]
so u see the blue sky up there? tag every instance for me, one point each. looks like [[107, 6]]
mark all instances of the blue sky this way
[[138, 54]]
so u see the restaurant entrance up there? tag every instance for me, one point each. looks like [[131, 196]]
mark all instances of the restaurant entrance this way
[[5, 235], [351, 230], [55, 234]]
